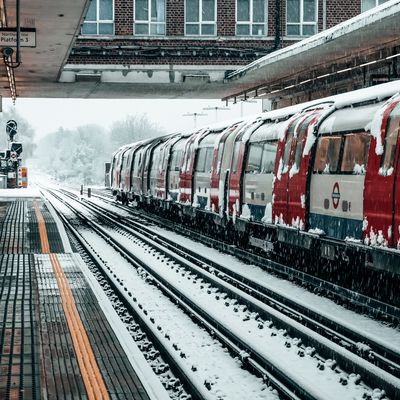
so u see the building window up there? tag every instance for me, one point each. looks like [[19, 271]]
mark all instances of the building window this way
[[150, 17], [301, 17], [99, 19], [368, 4], [251, 17], [200, 17]]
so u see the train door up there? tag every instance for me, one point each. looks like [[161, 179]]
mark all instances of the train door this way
[[174, 168], [120, 168], [202, 172], [135, 173], [220, 171], [147, 159], [162, 178], [236, 172], [258, 175], [126, 170], [291, 185], [283, 164], [382, 188], [185, 177], [235, 175], [155, 168], [393, 140]]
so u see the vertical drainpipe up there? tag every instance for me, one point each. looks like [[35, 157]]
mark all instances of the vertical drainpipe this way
[[324, 14], [277, 42], [18, 57]]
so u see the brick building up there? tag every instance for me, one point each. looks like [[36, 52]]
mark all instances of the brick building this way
[[175, 41]]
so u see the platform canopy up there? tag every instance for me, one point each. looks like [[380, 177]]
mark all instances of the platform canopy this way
[[358, 50], [353, 54], [56, 23]]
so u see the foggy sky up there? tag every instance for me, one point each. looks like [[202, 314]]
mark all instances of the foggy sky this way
[[47, 115]]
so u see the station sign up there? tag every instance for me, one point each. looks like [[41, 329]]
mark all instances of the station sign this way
[[8, 37]]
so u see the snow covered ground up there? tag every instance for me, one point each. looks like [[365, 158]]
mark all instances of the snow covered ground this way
[[376, 330], [8, 194], [270, 341]]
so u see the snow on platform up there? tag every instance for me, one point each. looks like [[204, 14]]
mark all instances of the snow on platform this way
[[14, 194]]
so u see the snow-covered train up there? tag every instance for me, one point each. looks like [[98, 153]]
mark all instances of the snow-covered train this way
[[321, 178]]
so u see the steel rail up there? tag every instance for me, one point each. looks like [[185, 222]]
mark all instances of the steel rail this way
[[326, 349], [378, 354]]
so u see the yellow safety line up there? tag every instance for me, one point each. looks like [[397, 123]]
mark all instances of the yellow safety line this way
[[91, 375]]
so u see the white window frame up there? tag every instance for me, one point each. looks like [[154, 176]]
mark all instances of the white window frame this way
[[100, 21], [302, 22], [251, 22], [149, 22], [200, 21], [377, 3]]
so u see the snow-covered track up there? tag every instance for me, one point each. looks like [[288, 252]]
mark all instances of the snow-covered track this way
[[143, 333], [375, 352], [285, 391], [326, 350], [356, 300]]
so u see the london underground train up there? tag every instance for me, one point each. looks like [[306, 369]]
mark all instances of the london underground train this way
[[319, 179]]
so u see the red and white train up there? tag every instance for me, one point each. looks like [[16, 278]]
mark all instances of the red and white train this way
[[321, 176]]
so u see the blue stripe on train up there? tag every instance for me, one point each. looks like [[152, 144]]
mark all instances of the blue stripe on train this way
[[257, 212], [174, 196], [202, 201], [337, 227]]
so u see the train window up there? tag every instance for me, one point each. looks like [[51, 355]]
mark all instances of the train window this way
[[235, 159], [188, 161], [176, 160], [355, 153], [137, 162], [255, 156], [288, 144], [327, 156], [209, 158], [300, 138], [122, 162], [201, 160], [392, 134], [220, 154], [155, 162], [268, 157]]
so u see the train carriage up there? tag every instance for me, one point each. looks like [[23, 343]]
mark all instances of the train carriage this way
[[381, 224], [292, 168], [258, 181], [338, 176], [321, 176], [220, 172], [176, 157], [206, 162]]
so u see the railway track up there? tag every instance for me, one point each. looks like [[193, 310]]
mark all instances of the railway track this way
[[355, 300], [128, 306], [366, 347], [277, 315]]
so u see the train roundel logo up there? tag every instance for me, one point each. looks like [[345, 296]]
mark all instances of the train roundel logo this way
[[335, 195]]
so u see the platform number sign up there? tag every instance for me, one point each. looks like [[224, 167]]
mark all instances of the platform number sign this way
[[11, 129]]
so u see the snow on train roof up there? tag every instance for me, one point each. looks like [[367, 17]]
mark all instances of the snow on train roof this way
[[378, 92], [375, 14], [268, 131], [346, 119]]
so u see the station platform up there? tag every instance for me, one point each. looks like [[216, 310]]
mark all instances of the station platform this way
[[55, 340]]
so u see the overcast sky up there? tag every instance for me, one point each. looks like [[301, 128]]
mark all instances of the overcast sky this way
[[47, 115]]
